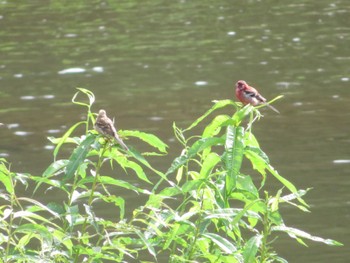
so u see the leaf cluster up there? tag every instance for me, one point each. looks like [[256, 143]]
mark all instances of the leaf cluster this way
[[202, 209]]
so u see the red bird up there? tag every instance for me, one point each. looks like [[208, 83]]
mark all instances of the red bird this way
[[248, 95]]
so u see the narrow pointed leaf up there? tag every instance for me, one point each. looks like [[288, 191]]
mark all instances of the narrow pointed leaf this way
[[225, 245], [65, 136], [286, 183], [78, 156], [234, 148], [293, 232], [215, 126], [5, 178], [251, 248], [146, 137], [218, 105], [197, 147]]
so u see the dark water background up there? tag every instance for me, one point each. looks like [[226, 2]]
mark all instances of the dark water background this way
[[153, 62]]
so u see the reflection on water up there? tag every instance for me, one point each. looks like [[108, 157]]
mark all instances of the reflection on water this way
[[151, 63]]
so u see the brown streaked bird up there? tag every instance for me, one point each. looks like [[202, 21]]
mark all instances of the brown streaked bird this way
[[105, 126]]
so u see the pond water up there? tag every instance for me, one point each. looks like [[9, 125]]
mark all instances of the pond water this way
[[153, 62]]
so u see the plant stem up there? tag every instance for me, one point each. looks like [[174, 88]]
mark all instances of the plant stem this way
[[264, 251]]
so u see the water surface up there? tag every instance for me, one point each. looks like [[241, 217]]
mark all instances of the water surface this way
[[150, 63]]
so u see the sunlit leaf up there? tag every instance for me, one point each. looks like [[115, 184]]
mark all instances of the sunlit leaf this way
[[63, 238], [111, 181], [241, 114], [142, 160], [5, 178], [145, 241], [210, 161], [146, 137], [234, 148], [218, 105], [55, 167], [41, 230], [294, 233], [214, 127], [258, 159], [286, 183], [250, 140], [126, 163], [117, 201], [38, 206], [170, 191], [88, 93], [251, 248], [225, 245], [197, 147]]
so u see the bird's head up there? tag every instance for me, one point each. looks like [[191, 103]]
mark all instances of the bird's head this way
[[241, 85], [102, 113]]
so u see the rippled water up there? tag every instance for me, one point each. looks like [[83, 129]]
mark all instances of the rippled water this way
[[150, 63]]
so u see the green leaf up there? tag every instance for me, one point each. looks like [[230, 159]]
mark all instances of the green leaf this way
[[170, 191], [234, 148], [5, 178], [208, 164], [142, 160], [215, 126], [146, 137], [118, 201], [125, 163], [78, 156], [149, 246], [251, 248], [225, 245], [63, 238], [250, 140], [111, 181], [294, 233], [38, 229], [258, 159], [197, 147], [38, 206], [88, 93], [218, 105], [55, 167], [286, 183], [65, 136], [240, 115]]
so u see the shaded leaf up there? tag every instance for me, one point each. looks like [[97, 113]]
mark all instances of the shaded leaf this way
[[65, 136], [78, 156]]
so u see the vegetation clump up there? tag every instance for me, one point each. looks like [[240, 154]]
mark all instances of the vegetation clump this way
[[202, 209]]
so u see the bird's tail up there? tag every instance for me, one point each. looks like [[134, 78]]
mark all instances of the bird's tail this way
[[120, 141], [272, 108]]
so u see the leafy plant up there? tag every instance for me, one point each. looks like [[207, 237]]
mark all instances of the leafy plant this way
[[203, 209]]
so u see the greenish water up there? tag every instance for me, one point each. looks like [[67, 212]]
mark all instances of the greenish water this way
[[150, 63]]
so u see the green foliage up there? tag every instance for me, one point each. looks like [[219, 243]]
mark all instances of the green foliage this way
[[203, 209]]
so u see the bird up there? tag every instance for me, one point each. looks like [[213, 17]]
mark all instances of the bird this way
[[249, 95], [105, 126]]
